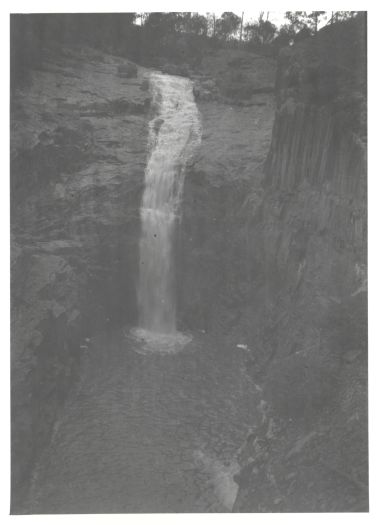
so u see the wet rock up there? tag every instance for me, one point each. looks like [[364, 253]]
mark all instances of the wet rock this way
[[157, 124], [237, 90], [117, 107], [175, 69], [209, 85], [205, 89], [196, 91], [127, 70]]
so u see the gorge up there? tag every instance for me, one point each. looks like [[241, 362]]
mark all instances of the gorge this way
[[260, 209]]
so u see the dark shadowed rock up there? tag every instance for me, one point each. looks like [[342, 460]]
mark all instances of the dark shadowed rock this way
[[127, 70], [175, 69], [312, 362]]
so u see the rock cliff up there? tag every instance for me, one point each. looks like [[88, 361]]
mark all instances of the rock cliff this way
[[279, 252], [311, 234], [78, 154]]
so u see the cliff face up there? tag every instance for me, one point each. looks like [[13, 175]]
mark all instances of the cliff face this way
[[310, 236], [78, 154], [222, 184], [281, 255]]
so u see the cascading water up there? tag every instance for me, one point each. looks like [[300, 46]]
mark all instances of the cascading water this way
[[174, 135]]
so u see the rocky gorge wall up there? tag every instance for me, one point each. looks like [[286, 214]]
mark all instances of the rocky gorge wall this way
[[78, 154], [313, 234], [280, 255]]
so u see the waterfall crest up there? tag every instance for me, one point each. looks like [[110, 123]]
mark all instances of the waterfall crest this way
[[174, 135]]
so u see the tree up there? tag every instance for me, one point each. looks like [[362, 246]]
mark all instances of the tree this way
[[304, 21], [161, 24], [260, 32], [193, 23], [339, 16], [314, 18], [297, 19], [227, 25], [285, 36]]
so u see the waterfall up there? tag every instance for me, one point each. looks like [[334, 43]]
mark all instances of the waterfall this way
[[174, 135]]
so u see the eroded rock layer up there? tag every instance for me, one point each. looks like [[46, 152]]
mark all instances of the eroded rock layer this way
[[78, 155]]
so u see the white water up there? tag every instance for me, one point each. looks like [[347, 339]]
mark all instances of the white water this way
[[174, 135]]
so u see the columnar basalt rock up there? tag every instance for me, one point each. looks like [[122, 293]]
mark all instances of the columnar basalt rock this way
[[313, 232]]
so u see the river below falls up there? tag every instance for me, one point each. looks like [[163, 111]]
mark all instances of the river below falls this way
[[148, 433]]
